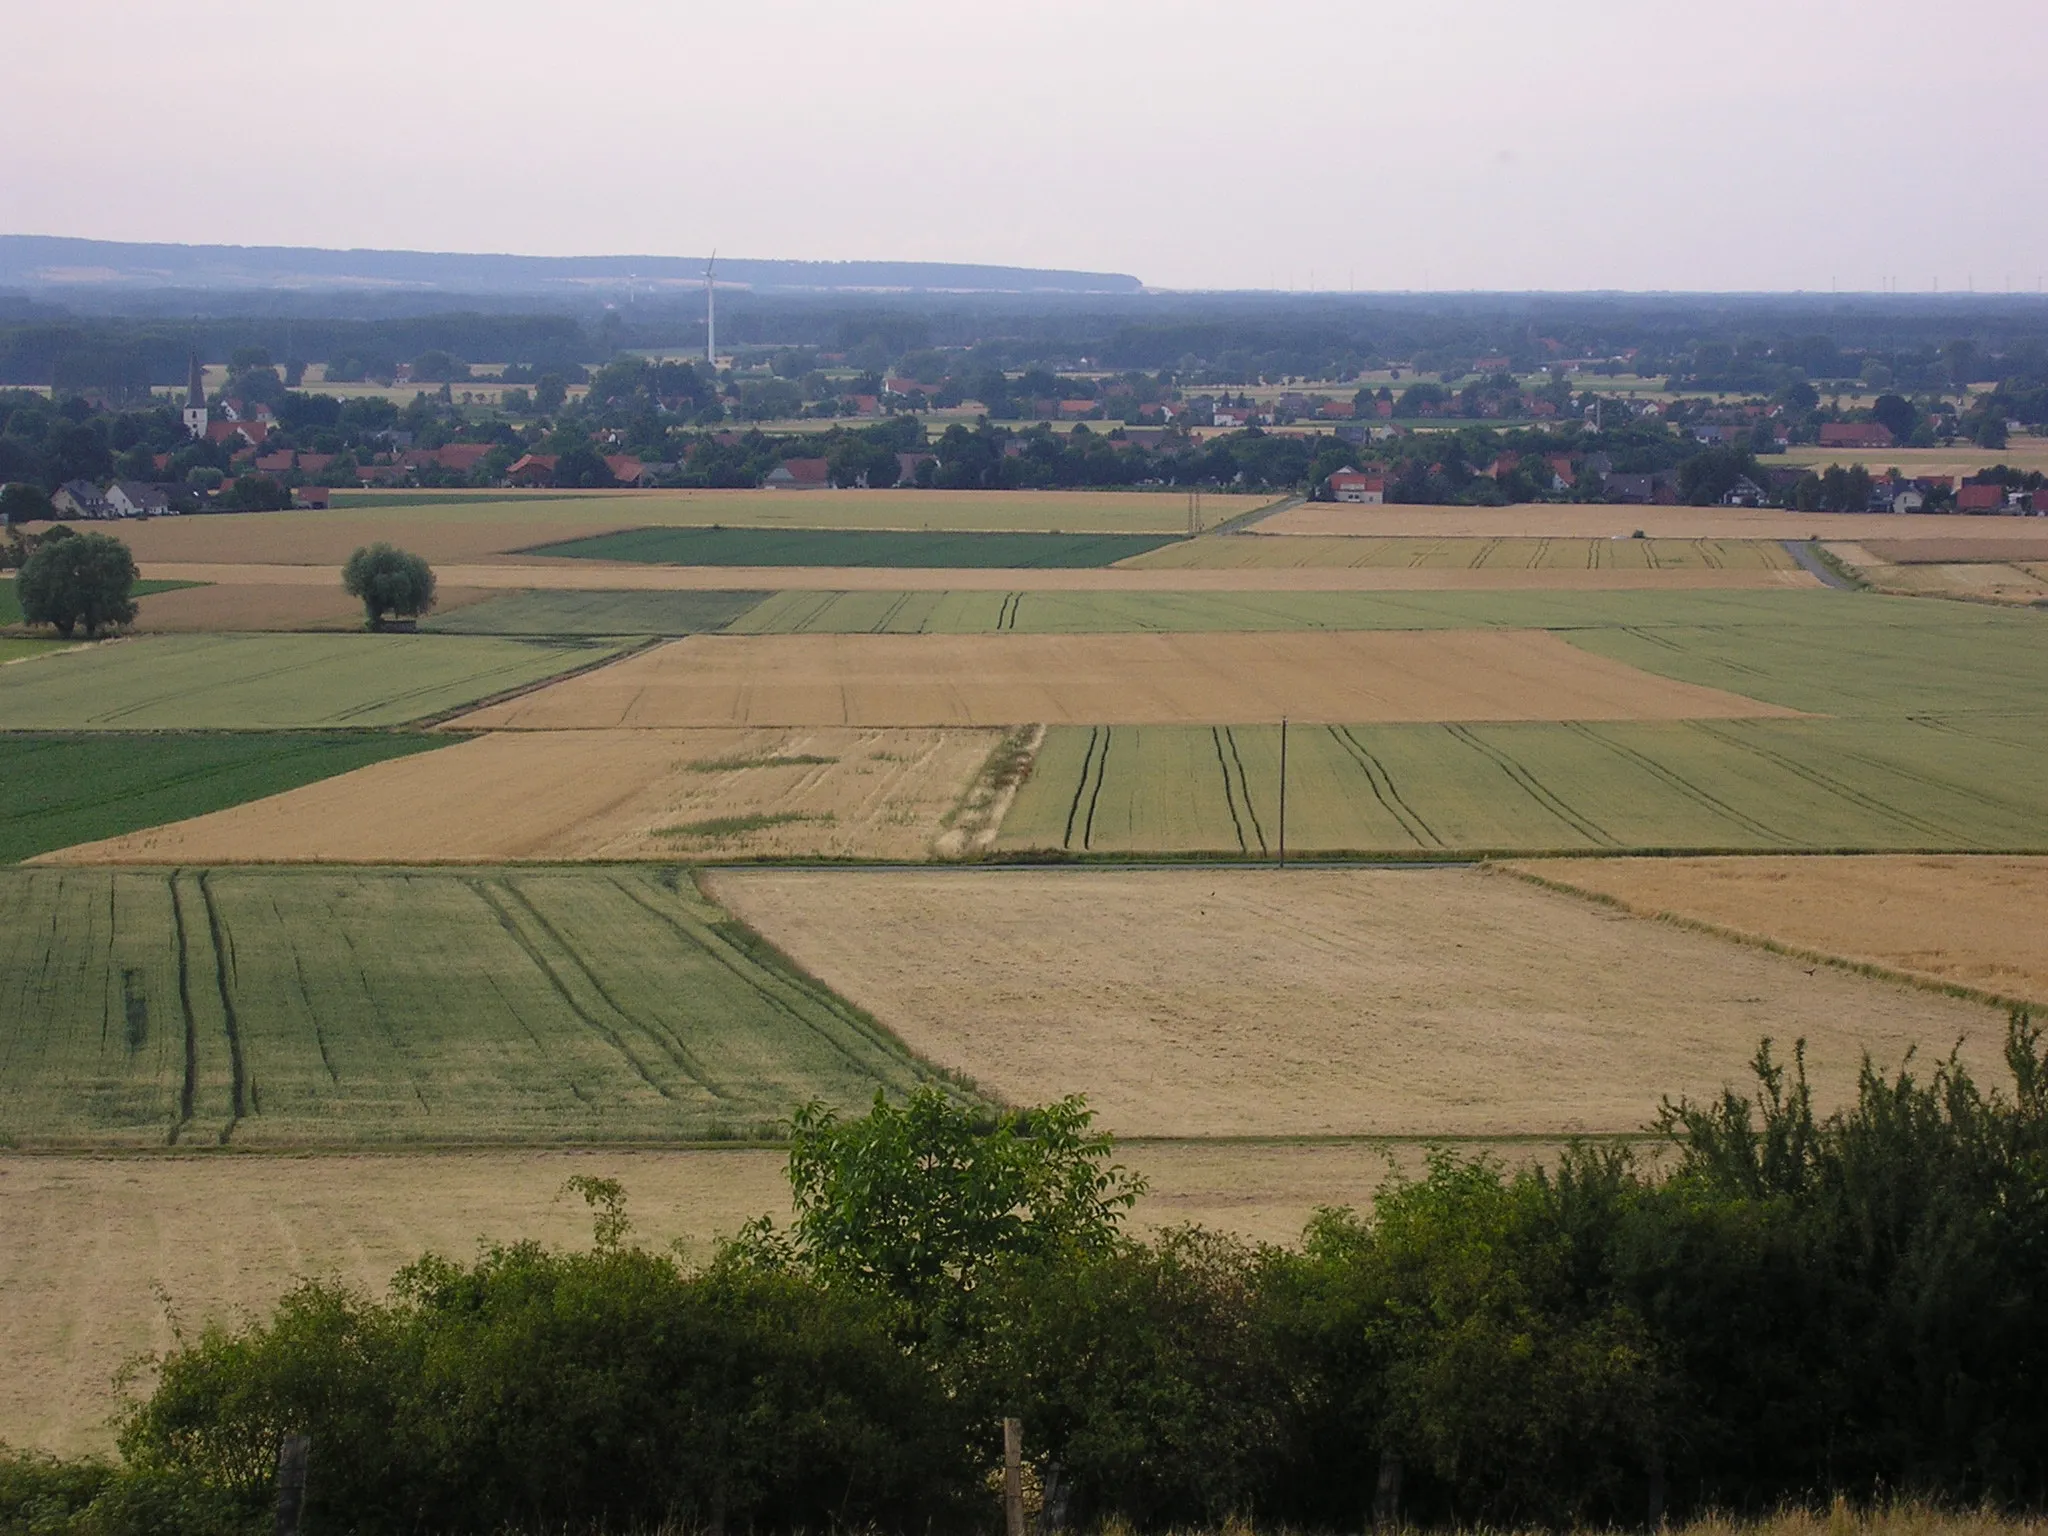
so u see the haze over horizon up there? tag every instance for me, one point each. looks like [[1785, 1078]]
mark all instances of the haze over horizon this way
[[1477, 144]]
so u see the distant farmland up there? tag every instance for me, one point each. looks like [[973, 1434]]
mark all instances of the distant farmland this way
[[251, 682], [1253, 551], [597, 613], [858, 547], [278, 1008]]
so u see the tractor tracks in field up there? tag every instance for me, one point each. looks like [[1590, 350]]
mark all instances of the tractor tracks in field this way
[[1384, 789]]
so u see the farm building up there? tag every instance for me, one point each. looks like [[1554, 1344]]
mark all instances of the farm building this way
[[132, 498], [799, 475], [81, 498], [1356, 486], [1855, 434]]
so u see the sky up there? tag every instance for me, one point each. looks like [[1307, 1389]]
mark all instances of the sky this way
[[1333, 144]]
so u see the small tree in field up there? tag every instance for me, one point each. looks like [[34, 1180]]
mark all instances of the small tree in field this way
[[84, 580], [388, 580]]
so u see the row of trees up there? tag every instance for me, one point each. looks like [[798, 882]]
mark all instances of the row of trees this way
[[1794, 1306]]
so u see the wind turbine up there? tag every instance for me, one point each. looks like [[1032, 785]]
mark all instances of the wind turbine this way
[[711, 314]]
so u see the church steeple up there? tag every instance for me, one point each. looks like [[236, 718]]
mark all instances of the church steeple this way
[[195, 399]]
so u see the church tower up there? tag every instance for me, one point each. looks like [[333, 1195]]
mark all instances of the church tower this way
[[195, 400]]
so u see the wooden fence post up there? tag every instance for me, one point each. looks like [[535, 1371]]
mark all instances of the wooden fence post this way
[[292, 1454], [1013, 1476]]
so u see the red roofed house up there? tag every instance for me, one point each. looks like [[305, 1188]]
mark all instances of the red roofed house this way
[[1337, 410], [1352, 485], [625, 469], [799, 475], [533, 469], [276, 463], [1981, 498], [1562, 477], [1855, 434], [251, 432]]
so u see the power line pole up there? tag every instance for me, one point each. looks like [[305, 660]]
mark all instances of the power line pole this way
[[1283, 791]]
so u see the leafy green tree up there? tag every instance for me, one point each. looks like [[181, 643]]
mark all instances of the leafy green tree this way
[[581, 465], [21, 503], [1896, 413], [388, 580], [256, 493], [922, 1201], [85, 581], [550, 390]]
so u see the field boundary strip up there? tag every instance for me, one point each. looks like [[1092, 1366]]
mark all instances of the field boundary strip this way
[[1869, 969], [505, 696]]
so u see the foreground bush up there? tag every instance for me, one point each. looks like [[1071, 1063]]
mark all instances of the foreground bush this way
[[1796, 1307]]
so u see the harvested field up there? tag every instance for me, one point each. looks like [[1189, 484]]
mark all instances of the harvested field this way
[[56, 790], [835, 793], [459, 527], [526, 572], [275, 606], [1962, 459], [1954, 782], [855, 548], [87, 1244], [1560, 520], [597, 613], [269, 682], [1252, 551], [1014, 679], [1979, 922], [287, 1008], [2026, 540], [1307, 1002]]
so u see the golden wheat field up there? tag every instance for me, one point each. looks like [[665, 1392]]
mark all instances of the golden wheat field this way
[[1319, 1002], [1005, 679], [1590, 521], [606, 794], [98, 1255], [1253, 551], [1974, 920]]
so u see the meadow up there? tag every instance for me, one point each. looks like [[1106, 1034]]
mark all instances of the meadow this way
[[1267, 1003], [854, 547], [338, 1008], [56, 790], [10, 600], [274, 682]]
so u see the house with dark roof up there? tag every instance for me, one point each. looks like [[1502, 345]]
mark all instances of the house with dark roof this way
[[132, 498], [799, 475], [81, 498]]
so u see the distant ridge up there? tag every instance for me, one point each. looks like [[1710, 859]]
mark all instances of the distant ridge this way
[[55, 264]]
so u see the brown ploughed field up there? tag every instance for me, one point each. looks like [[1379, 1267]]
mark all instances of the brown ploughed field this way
[[883, 794], [1312, 1002], [1973, 920], [1138, 679]]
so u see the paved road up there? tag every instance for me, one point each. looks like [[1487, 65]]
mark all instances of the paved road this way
[[1807, 554]]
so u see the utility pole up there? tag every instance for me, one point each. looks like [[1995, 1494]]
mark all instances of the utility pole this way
[[1283, 791]]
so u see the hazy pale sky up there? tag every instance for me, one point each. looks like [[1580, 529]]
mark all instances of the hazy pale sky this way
[[1770, 144]]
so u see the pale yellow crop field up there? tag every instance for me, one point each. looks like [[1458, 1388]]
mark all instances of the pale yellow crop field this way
[[1974, 920], [88, 1245], [1329, 677], [595, 795], [1566, 520], [1202, 1002], [1754, 558]]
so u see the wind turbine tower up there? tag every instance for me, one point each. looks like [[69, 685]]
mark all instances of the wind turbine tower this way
[[711, 314]]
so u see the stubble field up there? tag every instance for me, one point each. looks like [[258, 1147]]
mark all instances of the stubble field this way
[[1572, 520], [578, 795], [99, 1254], [1011, 679], [337, 1008], [1979, 921], [1323, 1002]]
